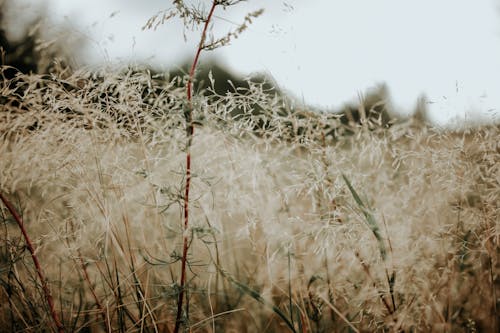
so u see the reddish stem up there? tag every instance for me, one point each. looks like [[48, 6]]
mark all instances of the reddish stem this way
[[38, 267], [189, 134]]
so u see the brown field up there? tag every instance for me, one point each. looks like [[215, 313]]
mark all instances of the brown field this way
[[278, 240]]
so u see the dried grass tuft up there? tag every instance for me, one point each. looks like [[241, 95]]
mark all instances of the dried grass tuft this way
[[95, 164]]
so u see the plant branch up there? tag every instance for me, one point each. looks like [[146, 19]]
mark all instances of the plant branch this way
[[189, 134], [38, 267]]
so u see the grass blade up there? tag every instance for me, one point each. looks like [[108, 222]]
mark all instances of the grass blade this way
[[370, 219], [258, 297]]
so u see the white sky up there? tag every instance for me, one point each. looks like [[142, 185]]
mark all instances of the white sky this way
[[326, 52]]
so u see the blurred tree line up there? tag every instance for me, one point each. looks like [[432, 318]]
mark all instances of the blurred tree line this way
[[21, 55], [28, 55]]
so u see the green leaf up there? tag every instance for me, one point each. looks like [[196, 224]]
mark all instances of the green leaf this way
[[370, 219], [257, 296]]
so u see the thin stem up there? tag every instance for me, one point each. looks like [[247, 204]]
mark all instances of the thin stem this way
[[341, 316], [290, 288], [92, 290], [38, 267], [189, 134]]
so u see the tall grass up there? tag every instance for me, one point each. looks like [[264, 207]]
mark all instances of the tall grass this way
[[297, 221], [97, 173]]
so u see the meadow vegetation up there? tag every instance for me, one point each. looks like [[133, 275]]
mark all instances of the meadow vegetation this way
[[299, 220]]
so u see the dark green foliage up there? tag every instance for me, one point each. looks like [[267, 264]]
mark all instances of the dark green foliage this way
[[20, 55]]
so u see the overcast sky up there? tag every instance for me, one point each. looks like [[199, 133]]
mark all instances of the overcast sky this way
[[325, 52]]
